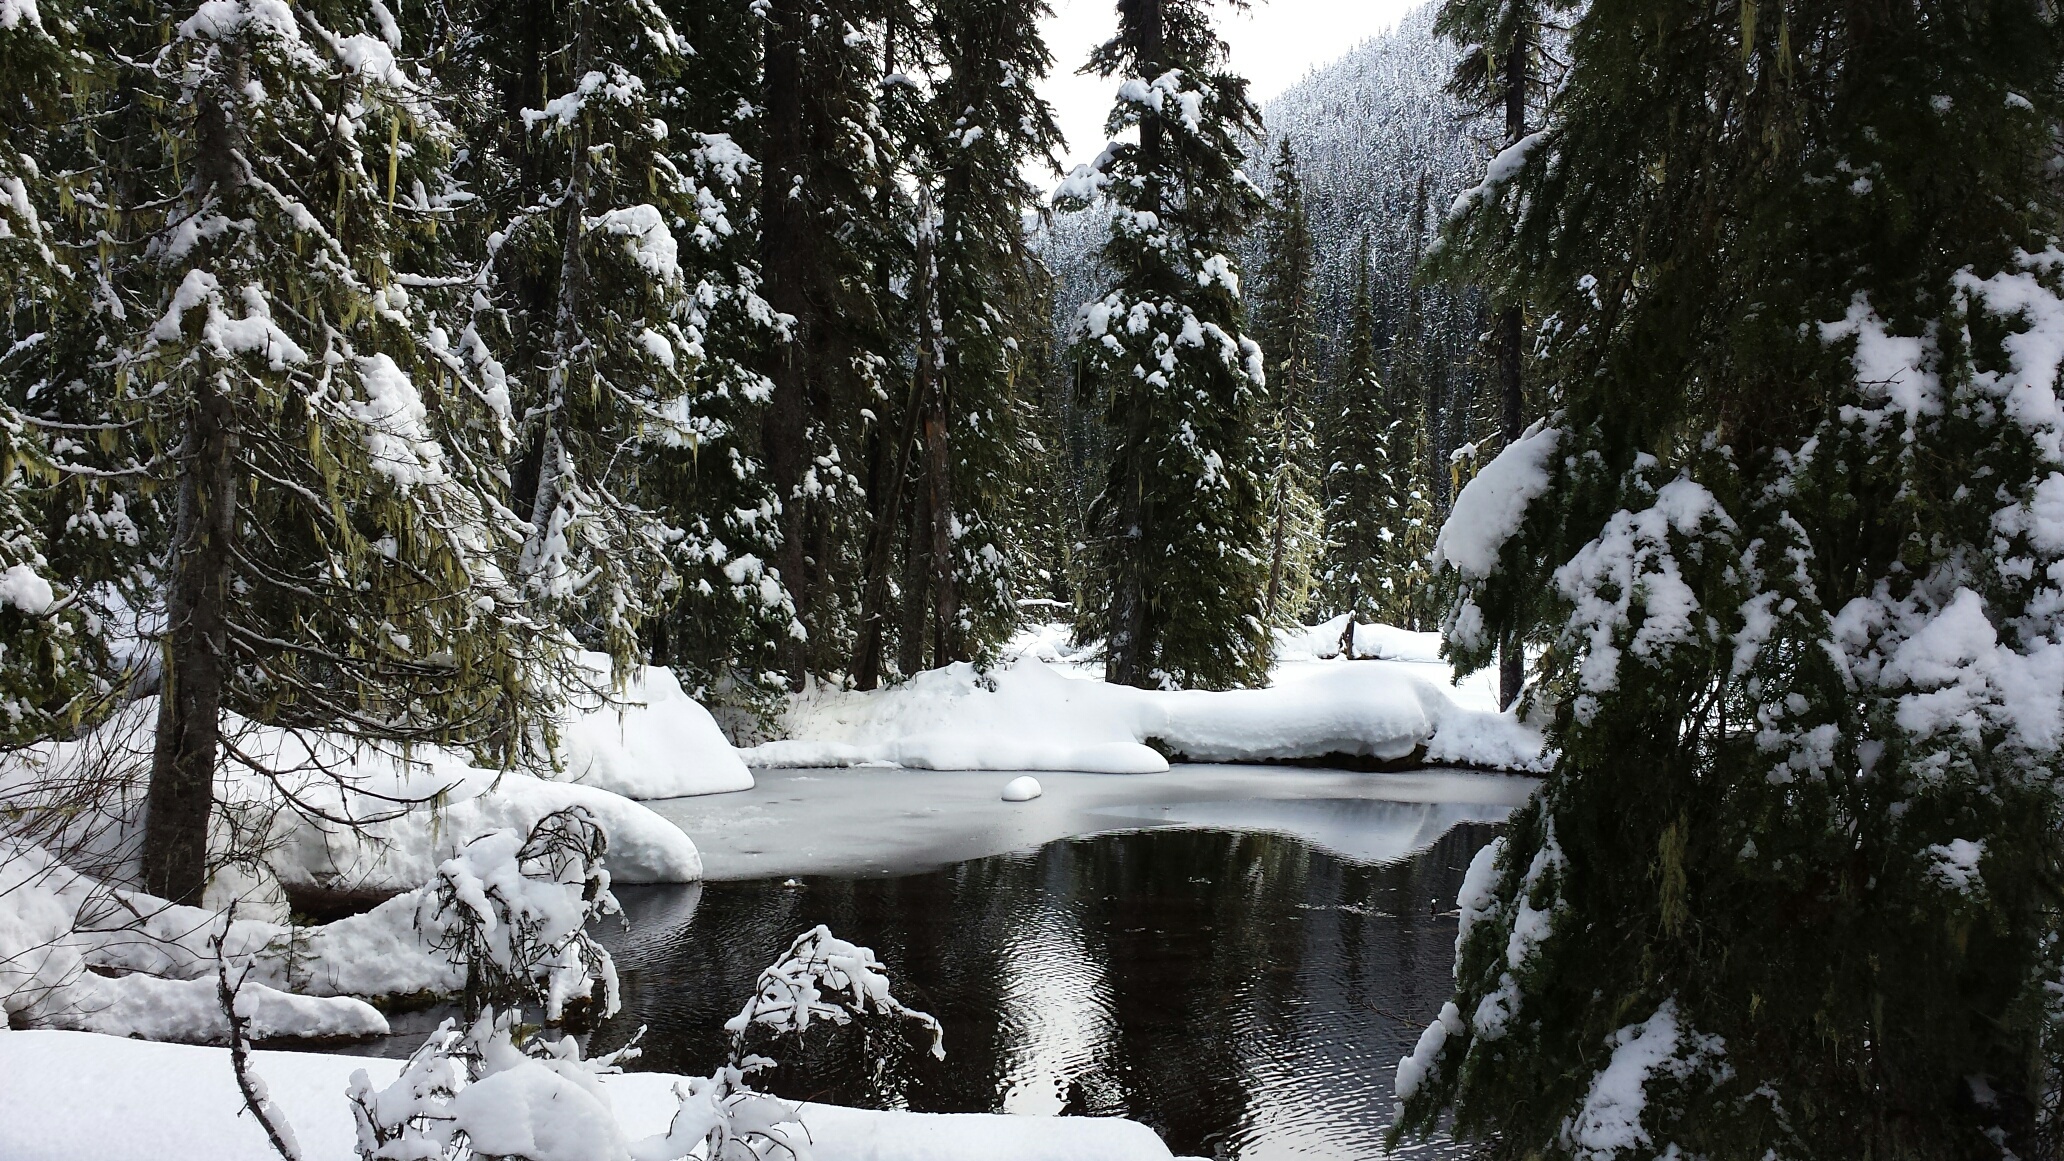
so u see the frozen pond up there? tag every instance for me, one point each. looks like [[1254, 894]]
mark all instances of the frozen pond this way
[[888, 821]]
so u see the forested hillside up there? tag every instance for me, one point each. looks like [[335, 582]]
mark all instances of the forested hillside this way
[[1381, 150]]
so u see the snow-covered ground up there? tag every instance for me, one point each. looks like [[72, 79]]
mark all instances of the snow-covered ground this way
[[414, 808], [1042, 709], [876, 821], [74, 1096]]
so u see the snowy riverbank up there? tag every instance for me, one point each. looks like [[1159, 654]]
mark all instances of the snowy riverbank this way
[[75, 1096], [1040, 710]]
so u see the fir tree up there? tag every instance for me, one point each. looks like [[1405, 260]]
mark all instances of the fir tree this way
[[602, 318], [1788, 890], [834, 237], [988, 122], [1378, 517], [1286, 326], [1179, 551], [731, 614], [48, 649], [1500, 70], [338, 542]]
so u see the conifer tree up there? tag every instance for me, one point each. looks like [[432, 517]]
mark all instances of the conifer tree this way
[[47, 647], [338, 544], [987, 122], [731, 614], [1790, 537], [1504, 55], [602, 317], [1379, 520], [1179, 536], [834, 236], [1286, 325], [666, 460]]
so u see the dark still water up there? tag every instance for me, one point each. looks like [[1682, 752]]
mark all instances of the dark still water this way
[[1247, 995]]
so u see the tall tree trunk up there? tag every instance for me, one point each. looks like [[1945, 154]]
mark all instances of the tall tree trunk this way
[[181, 794], [946, 636], [910, 638], [784, 260], [1279, 528], [196, 644], [555, 463], [1511, 334], [888, 513], [931, 381], [1125, 648]]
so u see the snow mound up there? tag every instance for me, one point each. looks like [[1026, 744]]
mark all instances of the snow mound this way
[[1028, 715], [57, 927], [1376, 642], [1023, 789], [414, 810], [648, 740], [71, 1096]]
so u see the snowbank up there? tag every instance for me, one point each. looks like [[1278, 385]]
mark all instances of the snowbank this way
[[414, 809], [69, 1096], [1377, 642], [654, 741], [77, 953], [59, 930], [1028, 715]]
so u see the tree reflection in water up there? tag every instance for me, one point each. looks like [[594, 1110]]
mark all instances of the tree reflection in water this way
[[1246, 994]]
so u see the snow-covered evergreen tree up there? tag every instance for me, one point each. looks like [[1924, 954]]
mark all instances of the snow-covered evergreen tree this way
[[1383, 147], [730, 616], [1180, 558], [1505, 51], [835, 238], [1379, 519], [328, 430], [48, 667], [1792, 539], [987, 123], [1286, 326], [585, 273]]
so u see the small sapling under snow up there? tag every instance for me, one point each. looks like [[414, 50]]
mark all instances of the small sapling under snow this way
[[515, 911], [517, 915], [822, 978]]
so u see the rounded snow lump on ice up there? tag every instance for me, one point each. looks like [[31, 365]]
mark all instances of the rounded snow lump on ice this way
[[1022, 790]]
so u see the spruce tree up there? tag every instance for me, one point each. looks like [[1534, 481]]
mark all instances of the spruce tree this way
[[1179, 551], [48, 650], [1790, 536], [1379, 519], [724, 625], [327, 427], [1286, 325], [987, 123], [834, 238], [585, 267], [1505, 51]]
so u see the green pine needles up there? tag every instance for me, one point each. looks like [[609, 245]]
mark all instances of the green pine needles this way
[[1790, 547], [1379, 514], [1286, 323], [1179, 553]]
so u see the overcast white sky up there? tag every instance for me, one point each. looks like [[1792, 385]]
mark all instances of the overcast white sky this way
[[1274, 44]]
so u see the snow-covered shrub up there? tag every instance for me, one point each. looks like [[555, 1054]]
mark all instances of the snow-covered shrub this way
[[498, 1090], [822, 977], [483, 1092], [723, 1116], [515, 911]]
